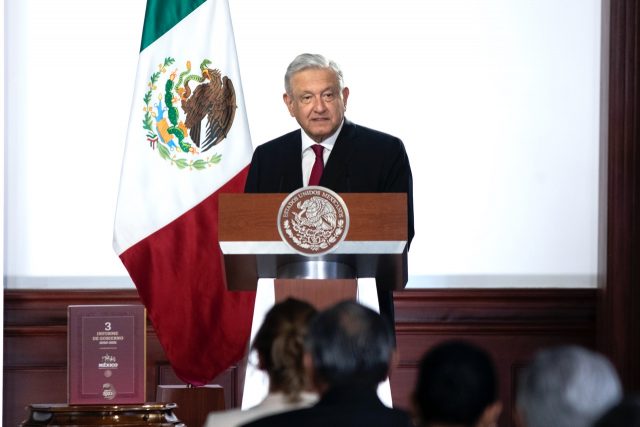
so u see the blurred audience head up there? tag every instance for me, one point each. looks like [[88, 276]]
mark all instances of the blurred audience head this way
[[456, 386], [280, 346], [566, 386], [349, 344], [624, 414]]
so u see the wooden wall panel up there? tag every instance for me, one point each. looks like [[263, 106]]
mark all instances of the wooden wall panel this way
[[26, 385], [511, 324], [35, 350]]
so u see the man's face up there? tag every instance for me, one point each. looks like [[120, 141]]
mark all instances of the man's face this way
[[316, 102]]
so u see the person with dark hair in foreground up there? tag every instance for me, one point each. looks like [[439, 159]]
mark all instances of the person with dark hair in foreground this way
[[624, 414], [349, 349], [456, 386], [280, 347], [566, 386]]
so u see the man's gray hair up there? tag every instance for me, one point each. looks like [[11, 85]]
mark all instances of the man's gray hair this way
[[350, 344], [311, 60], [566, 386]]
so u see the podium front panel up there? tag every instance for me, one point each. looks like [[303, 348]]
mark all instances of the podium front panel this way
[[375, 245]]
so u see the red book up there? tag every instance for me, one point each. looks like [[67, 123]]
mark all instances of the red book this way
[[106, 354]]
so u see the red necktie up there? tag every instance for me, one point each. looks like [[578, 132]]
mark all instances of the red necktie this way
[[318, 166]]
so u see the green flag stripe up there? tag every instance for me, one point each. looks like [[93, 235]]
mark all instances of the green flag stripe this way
[[162, 15]]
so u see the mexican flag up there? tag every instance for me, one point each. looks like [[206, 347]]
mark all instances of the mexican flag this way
[[188, 141]]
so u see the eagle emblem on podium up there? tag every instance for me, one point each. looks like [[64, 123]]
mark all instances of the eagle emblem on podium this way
[[313, 220]]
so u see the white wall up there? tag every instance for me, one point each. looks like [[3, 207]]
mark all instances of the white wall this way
[[497, 102]]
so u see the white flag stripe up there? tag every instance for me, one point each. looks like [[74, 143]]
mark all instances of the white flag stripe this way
[[157, 192]]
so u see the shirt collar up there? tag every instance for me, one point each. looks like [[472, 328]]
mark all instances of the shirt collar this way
[[328, 143]]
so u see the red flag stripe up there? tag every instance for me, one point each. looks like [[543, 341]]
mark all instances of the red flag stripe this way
[[178, 272]]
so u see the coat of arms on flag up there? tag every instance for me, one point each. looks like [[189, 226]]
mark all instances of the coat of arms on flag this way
[[177, 104], [188, 141]]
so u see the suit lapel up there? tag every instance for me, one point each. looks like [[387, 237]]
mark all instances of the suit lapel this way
[[335, 171], [292, 164]]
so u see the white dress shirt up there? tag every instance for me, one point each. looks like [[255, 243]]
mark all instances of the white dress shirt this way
[[309, 157]]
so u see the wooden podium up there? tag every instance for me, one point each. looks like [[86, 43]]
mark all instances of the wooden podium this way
[[375, 246]]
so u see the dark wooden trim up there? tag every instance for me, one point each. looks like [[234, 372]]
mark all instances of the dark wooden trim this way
[[619, 331], [494, 305], [49, 307]]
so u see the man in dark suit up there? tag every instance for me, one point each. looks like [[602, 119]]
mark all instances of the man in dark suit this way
[[353, 158], [348, 351]]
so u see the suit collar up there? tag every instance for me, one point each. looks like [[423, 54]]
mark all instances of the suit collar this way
[[328, 143], [337, 165], [352, 395], [291, 152]]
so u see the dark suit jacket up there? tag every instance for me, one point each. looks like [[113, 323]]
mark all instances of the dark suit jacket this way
[[344, 406], [362, 160]]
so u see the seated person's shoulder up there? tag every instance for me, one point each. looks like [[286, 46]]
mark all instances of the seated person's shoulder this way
[[281, 419]]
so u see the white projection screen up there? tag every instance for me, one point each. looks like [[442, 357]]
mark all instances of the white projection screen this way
[[497, 101]]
